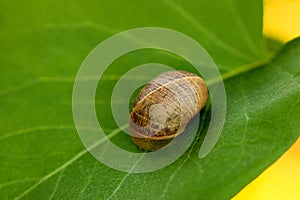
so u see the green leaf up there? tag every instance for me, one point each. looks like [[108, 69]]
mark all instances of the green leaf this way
[[42, 47]]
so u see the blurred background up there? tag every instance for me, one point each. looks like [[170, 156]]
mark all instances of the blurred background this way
[[281, 181]]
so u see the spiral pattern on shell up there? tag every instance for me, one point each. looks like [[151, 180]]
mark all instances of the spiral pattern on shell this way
[[164, 107]]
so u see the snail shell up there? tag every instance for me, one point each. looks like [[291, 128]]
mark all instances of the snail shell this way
[[164, 107]]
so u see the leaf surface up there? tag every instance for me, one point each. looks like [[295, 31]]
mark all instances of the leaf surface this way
[[42, 47]]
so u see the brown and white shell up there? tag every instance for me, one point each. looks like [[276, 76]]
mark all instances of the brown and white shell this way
[[164, 107]]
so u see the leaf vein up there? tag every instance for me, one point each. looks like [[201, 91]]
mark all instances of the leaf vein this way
[[56, 184], [188, 155], [180, 10], [125, 177], [237, 17], [66, 164]]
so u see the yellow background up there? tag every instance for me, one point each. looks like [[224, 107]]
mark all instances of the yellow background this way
[[281, 181]]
